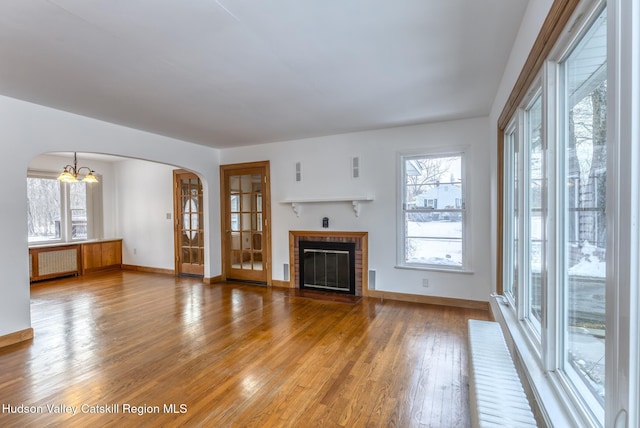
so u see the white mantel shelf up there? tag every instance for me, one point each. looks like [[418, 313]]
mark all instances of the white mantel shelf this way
[[355, 201]]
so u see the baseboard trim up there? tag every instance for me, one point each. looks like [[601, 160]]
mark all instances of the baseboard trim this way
[[16, 337], [149, 269], [281, 284], [430, 300], [213, 280]]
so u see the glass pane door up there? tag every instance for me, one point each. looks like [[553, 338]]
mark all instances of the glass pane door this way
[[190, 225], [245, 210], [245, 203]]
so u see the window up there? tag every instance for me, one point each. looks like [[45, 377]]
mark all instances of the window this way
[[534, 209], [554, 259], [582, 210], [44, 214], [78, 209], [511, 220], [433, 211], [59, 212]]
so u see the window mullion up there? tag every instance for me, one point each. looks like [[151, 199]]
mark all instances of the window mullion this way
[[65, 212], [551, 336]]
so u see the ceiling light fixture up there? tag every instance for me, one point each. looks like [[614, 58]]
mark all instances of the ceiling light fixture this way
[[71, 172]]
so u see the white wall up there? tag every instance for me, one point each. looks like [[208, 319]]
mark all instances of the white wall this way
[[28, 130], [326, 173], [144, 197], [532, 21]]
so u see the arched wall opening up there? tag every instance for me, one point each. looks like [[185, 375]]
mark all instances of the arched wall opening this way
[[133, 201], [28, 131]]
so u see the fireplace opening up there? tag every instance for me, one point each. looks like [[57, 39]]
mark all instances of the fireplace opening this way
[[327, 266]]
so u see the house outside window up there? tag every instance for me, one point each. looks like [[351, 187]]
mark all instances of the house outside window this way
[[432, 211], [431, 203]]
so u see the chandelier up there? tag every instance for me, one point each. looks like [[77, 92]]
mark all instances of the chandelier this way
[[71, 172]]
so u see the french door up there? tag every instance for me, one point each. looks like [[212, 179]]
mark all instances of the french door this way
[[189, 224], [245, 205]]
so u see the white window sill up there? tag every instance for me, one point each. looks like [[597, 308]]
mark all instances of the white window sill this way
[[434, 269], [555, 407]]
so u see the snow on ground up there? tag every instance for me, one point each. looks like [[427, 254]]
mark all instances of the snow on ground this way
[[435, 242], [589, 265]]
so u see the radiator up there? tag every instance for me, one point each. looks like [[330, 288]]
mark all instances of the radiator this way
[[60, 261], [497, 396]]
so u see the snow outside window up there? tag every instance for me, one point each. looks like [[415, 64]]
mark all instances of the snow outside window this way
[[433, 211]]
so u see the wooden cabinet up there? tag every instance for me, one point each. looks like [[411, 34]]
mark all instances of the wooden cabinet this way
[[57, 260], [101, 255]]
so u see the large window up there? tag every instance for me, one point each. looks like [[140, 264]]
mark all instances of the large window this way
[[433, 211], [583, 235], [559, 185], [57, 211]]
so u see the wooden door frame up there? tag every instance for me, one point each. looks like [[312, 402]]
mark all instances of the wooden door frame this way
[[176, 212], [266, 211]]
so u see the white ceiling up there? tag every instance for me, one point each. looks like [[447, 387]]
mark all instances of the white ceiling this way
[[235, 72]]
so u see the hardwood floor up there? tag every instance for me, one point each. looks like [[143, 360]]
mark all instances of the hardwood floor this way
[[232, 355]]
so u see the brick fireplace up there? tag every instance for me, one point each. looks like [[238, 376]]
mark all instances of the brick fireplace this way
[[360, 239]]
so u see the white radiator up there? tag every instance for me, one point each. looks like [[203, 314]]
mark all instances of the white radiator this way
[[497, 396], [58, 261]]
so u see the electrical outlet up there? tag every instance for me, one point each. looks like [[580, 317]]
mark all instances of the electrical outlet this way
[[425, 282], [135, 251]]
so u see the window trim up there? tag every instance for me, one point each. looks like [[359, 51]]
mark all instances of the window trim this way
[[455, 150]]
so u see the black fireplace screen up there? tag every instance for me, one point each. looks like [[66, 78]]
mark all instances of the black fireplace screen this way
[[328, 266]]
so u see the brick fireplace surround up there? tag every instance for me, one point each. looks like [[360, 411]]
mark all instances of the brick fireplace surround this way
[[358, 238]]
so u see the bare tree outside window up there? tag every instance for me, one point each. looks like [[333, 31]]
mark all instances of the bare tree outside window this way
[[43, 209]]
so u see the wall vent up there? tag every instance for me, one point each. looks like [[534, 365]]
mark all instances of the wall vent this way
[[298, 172], [286, 272], [355, 167], [372, 280]]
